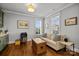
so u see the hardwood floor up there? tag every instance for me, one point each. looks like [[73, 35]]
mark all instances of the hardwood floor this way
[[26, 50]]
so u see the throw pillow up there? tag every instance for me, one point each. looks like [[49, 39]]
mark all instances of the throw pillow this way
[[62, 37], [48, 35], [52, 36]]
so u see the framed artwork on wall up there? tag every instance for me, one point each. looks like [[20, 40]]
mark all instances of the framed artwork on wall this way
[[22, 24], [71, 21]]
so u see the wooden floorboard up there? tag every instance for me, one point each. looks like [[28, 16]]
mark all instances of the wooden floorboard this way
[[26, 50]]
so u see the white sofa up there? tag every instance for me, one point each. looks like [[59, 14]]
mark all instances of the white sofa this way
[[53, 44]]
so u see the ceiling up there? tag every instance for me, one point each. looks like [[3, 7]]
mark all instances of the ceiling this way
[[42, 9]]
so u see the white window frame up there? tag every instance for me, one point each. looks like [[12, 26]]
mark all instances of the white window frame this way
[[58, 14], [41, 27]]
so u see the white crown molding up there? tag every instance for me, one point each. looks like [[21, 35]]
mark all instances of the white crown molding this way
[[60, 9], [34, 16], [19, 13]]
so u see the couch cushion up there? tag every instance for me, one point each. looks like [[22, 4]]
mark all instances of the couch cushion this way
[[44, 35], [48, 41], [57, 38]]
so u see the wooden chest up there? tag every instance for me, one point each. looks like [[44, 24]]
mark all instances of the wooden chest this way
[[39, 46]]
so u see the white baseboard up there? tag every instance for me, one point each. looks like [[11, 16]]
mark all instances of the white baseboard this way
[[75, 49], [10, 42]]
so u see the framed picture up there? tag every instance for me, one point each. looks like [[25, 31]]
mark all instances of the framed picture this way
[[22, 24], [71, 21]]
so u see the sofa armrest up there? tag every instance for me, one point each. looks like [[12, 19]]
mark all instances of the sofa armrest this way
[[58, 43], [44, 38], [48, 40]]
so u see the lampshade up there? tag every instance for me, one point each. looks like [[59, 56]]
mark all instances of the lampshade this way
[[31, 7]]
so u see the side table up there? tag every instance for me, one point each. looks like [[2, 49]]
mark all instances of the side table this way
[[68, 44]]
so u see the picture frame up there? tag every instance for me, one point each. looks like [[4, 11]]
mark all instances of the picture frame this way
[[22, 24], [71, 21]]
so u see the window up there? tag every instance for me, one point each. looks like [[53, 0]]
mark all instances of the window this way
[[55, 23], [38, 26]]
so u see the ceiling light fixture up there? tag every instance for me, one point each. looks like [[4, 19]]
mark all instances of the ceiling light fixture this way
[[31, 7]]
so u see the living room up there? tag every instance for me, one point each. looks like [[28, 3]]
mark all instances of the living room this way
[[48, 20]]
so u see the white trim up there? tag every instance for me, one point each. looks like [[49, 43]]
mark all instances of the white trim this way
[[29, 40], [19, 13], [10, 42], [75, 49], [60, 9], [26, 14]]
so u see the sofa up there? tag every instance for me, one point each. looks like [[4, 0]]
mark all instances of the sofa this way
[[54, 42]]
